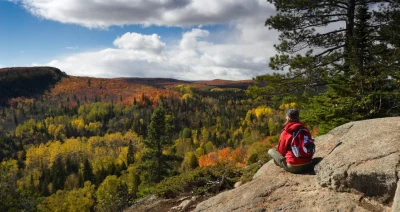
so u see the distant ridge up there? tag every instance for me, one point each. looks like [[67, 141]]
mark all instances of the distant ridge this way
[[32, 82], [243, 84], [27, 81]]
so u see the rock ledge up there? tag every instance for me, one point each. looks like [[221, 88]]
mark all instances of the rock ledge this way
[[361, 174]]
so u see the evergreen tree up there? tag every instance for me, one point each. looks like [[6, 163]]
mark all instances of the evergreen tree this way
[[58, 174], [32, 184], [136, 183], [85, 173], [342, 52], [155, 166], [131, 154], [15, 119], [100, 176], [119, 168], [44, 181], [123, 197]]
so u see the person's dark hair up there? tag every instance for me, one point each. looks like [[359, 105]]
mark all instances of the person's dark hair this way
[[293, 115]]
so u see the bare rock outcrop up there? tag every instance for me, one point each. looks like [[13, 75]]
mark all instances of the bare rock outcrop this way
[[154, 203], [367, 162], [360, 174]]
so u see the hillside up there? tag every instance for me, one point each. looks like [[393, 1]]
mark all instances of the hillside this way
[[243, 84], [27, 81], [89, 138], [34, 81]]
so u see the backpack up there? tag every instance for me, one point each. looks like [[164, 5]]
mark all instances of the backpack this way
[[302, 144]]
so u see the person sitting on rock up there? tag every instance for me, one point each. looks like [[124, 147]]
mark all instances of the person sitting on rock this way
[[283, 155]]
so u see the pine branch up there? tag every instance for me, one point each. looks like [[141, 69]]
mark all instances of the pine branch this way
[[325, 34], [343, 6], [330, 62], [329, 50], [378, 1], [320, 24], [324, 16]]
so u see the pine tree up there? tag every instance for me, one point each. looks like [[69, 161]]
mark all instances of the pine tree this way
[[15, 119], [32, 184], [155, 166], [136, 182], [131, 154], [342, 52], [44, 181], [58, 174], [85, 173], [123, 197]]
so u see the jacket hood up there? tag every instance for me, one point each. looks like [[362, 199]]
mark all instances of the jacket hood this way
[[293, 126]]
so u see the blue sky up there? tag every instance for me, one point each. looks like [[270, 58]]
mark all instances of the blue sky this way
[[191, 42]]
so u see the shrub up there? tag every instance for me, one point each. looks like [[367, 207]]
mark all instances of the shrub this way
[[200, 181]]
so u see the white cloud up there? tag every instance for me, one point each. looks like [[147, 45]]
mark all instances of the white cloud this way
[[190, 39], [135, 41], [105, 13], [241, 51], [193, 58]]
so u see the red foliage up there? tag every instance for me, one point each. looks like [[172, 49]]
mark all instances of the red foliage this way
[[117, 90], [265, 139], [314, 132], [224, 157]]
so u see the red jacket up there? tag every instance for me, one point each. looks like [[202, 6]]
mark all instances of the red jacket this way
[[284, 144]]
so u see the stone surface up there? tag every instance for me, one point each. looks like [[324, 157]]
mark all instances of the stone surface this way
[[237, 184], [154, 203], [366, 161], [361, 174], [396, 201]]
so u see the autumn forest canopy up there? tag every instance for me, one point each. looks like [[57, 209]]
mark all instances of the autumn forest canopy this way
[[89, 144]]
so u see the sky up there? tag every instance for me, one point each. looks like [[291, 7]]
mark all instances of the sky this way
[[181, 39]]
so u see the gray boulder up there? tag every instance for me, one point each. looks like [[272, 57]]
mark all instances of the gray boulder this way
[[368, 160]]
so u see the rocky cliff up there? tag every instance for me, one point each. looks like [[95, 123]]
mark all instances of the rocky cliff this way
[[360, 174]]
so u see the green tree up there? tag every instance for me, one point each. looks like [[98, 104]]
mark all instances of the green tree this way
[[85, 173], [130, 157], [13, 199], [135, 185], [186, 133], [44, 181], [112, 195], [58, 174], [344, 52], [190, 162], [155, 165], [72, 182], [75, 200]]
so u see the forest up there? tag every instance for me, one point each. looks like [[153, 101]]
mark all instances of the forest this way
[[89, 144], [100, 144]]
